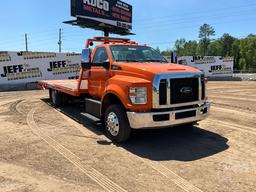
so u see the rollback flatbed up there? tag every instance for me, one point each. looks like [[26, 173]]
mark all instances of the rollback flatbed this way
[[130, 86], [74, 87]]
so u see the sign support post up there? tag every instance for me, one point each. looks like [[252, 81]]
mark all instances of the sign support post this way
[[26, 42], [60, 40]]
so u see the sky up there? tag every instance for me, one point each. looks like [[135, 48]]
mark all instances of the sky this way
[[155, 23]]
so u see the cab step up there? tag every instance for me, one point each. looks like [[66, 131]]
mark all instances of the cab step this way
[[91, 118]]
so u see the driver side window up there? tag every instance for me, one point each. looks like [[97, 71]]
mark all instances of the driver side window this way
[[100, 56]]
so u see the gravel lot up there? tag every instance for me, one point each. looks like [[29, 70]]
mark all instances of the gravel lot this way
[[43, 149]]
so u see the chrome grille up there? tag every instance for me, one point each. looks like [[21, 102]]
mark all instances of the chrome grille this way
[[167, 89], [184, 90]]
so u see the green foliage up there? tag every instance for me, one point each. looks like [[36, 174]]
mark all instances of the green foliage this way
[[248, 52], [242, 64], [166, 52], [179, 46], [215, 49], [205, 32], [158, 50], [235, 52], [226, 43], [190, 48], [243, 50]]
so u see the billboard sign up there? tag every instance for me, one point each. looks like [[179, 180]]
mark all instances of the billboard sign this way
[[29, 67], [212, 66], [112, 15]]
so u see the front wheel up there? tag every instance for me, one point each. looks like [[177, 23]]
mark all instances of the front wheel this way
[[116, 124]]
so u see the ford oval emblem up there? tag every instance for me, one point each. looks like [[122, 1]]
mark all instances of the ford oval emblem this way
[[186, 90]]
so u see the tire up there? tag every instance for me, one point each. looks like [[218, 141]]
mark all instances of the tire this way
[[56, 98], [116, 123], [50, 94]]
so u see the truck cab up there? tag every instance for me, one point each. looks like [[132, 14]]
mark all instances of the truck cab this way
[[130, 86]]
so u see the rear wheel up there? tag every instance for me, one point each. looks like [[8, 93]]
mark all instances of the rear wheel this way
[[116, 124], [56, 97], [50, 94]]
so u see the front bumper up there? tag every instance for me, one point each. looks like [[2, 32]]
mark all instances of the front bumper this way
[[168, 118]]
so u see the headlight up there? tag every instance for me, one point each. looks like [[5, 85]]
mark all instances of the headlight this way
[[138, 95]]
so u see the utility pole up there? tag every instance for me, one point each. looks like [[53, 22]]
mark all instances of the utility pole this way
[[26, 41], [60, 40]]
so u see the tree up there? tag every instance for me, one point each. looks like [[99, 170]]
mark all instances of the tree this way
[[226, 42], [248, 52], [214, 48], [236, 53], [166, 52], [179, 46], [242, 64], [205, 32], [243, 50], [190, 48], [158, 50]]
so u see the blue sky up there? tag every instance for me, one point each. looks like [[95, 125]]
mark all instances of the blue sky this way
[[156, 23]]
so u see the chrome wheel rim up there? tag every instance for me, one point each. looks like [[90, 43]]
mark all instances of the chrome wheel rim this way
[[112, 124]]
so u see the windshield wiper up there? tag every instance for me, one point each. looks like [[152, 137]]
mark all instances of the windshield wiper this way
[[130, 60], [156, 60], [133, 60], [142, 61]]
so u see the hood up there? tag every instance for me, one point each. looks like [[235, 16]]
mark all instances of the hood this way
[[151, 69]]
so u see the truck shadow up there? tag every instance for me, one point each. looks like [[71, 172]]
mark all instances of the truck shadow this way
[[72, 111], [177, 143]]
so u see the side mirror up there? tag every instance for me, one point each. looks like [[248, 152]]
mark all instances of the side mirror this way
[[86, 55], [106, 64]]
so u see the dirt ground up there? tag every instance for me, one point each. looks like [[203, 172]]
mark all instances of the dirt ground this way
[[47, 150]]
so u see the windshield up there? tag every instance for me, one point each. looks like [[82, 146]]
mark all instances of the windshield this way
[[130, 53]]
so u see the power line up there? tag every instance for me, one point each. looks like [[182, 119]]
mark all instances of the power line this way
[[167, 27], [164, 24], [190, 18], [150, 19], [159, 26]]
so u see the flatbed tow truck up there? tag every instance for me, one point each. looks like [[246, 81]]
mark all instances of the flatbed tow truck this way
[[130, 86]]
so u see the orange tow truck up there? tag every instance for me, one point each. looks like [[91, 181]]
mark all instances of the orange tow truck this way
[[130, 86]]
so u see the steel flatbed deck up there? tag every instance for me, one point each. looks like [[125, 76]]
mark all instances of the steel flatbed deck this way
[[74, 87]]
